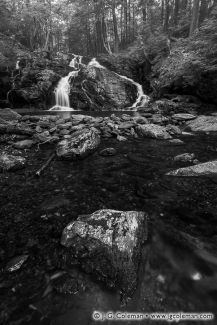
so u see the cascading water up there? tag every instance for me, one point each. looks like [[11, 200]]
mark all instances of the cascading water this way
[[141, 100], [63, 88], [76, 61]]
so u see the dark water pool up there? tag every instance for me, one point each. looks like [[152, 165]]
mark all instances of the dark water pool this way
[[178, 270]]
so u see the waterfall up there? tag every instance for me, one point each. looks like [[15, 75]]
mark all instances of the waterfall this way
[[17, 65], [141, 100], [63, 88], [76, 61]]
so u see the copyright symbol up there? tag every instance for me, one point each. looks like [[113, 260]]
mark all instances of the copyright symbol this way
[[97, 315]]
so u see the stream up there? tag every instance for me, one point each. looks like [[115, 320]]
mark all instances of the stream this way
[[178, 268]]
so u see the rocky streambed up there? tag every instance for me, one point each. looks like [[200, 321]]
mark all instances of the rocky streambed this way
[[97, 219]]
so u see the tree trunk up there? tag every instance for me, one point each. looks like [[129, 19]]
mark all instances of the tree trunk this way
[[203, 11], [195, 16], [144, 11], [176, 12], [116, 47], [125, 23], [162, 12], [167, 13]]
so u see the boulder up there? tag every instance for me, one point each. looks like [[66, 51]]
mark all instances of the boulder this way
[[11, 163], [208, 168], [24, 144], [108, 152], [33, 88], [81, 144], [183, 117], [9, 115], [203, 124], [153, 131], [101, 89], [185, 157], [107, 243], [176, 142]]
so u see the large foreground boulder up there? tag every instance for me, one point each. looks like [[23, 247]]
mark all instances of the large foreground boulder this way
[[11, 163], [81, 144], [208, 168], [153, 131], [107, 244], [203, 124]]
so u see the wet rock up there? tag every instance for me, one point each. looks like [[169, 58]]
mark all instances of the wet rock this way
[[24, 144], [176, 142], [140, 120], [173, 129], [64, 132], [185, 157], [153, 131], [183, 117], [102, 88], [107, 243], [108, 152], [208, 168], [65, 126], [34, 87], [11, 163], [9, 115], [126, 125], [203, 124], [81, 144], [121, 138], [16, 263]]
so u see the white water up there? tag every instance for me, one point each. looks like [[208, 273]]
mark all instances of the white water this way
[[17, 65], [62, 90], [141, 100], [76, 61]]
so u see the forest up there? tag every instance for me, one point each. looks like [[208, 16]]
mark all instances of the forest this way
[[98, 26]]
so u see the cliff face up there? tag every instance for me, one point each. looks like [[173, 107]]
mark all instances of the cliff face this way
[[191, 67]]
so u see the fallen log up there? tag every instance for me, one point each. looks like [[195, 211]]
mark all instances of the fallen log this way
[[15, 129], [45, 165]]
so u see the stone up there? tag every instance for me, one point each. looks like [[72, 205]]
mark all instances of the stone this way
[[185, 157], [108, 244], [121, 138], [81, 144], [65, 126], [176, 142], [24, 144], [64, 132], [183, 117], [173, 129], [208, 168], [108, 152], [202, 124], [153, 131], [38, 129], [140, 120], [126, 125], [16, 263], [11, 162], [9, 115]]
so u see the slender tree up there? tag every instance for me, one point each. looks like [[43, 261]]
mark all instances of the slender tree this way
[[195, 16]]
